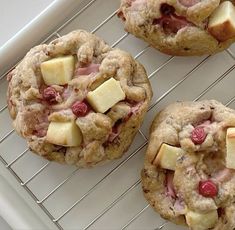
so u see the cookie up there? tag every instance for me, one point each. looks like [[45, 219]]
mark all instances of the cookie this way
[[77, 100], [181, 27], [188, 175]]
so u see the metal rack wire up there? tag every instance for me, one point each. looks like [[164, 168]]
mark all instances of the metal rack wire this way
[[155, 106]]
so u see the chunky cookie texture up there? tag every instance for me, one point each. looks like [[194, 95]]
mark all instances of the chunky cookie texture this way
[[78, 101], [181, 27], [189, 171]]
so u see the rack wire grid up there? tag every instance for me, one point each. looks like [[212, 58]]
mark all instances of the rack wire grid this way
[[110, 196]]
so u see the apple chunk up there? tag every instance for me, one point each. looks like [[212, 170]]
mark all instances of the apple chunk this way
[[222, 22], [230, 145], [64, 133], [201, 221], [58, 71], [167, 156], [106, 95]]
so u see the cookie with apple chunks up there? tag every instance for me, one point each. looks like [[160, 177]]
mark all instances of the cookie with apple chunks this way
[[189, 170], [77, 100], [183, 27]]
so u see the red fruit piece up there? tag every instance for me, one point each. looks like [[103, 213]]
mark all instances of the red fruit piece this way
[[207, 188], [80, 109], [49, 94], [167, 9], [198, 135], [171, 23], [121, 15]]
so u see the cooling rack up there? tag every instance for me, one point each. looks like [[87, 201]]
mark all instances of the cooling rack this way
[[110, 196]]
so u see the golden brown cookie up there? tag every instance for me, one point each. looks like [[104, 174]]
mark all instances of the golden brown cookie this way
[[181, 27], [189, 169], [78, 101]]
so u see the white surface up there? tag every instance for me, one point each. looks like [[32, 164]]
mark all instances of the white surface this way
[[15, 14], [108, 197], [35, 32], [13, 209], [4, 225]]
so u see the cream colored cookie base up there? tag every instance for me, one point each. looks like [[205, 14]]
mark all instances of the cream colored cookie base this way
[[109, 196]]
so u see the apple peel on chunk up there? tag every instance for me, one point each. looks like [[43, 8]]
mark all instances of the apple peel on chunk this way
[[222, 22], [64, 133], [201, 221], [167, 156], [58, 71], [230, 148], [106, 95]]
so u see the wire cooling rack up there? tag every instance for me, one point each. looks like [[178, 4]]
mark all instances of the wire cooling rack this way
[[110, 196]]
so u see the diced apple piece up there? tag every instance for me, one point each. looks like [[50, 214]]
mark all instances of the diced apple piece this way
[[201, 221], [106, 95], [58, 71], [222, 21], [167, 156], [64, 133], [230, 145]]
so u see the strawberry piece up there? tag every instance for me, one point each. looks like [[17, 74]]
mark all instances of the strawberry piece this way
[[170, 21], [167, 9], [198, 135], [91, 68], [49, 94], [121, 15], [207, 188], [171, 24], [80, 109]]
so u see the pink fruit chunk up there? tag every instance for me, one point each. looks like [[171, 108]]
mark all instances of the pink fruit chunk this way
[[170, 191], [92, 68], [80, 109], [198, 135], [205, 123], [224, 175], [172, 23], [207, 188], [114, 134], [49, 94]]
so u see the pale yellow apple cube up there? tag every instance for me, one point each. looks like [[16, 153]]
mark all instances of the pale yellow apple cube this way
[[201, 221], [58, 71], [167, 156], [230, 148], [64, 133], [106, 95], [222, 22]]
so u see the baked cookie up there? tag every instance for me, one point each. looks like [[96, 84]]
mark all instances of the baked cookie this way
[[78, 101], [181, 27], [189, 175]]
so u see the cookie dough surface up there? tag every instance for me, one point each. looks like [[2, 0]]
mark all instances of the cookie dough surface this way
[[200, 165], [175, 27], [33, 105]]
